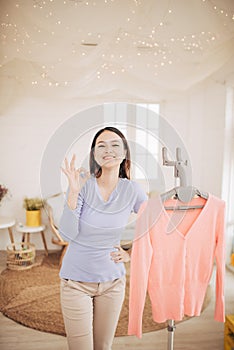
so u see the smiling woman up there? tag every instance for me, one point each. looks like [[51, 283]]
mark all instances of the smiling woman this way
[[109, 150], [109, 144], [98, 207], [109, 154]]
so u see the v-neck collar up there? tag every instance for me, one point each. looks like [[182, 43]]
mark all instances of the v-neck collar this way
[[99, 192], [196, 221]]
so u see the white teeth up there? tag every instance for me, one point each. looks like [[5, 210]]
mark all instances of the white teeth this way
[[108, 157]]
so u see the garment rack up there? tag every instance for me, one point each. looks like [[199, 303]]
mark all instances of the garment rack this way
[[183, 193]]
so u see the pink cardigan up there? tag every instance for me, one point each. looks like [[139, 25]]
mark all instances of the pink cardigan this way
[[172, 257]]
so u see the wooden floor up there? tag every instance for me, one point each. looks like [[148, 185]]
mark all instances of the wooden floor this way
[[199, 333]]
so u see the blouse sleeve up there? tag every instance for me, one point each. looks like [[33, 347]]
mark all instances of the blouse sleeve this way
[[69, 222], [141, 197]]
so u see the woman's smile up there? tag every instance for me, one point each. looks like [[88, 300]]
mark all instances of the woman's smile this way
[[109, 149]]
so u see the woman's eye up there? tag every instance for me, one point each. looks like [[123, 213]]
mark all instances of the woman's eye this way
[[116, 145], [100, 146]]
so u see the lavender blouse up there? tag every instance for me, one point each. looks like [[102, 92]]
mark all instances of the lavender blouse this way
[[94, 228]]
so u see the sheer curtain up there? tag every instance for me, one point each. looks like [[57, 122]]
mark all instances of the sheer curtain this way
[[228, 170]]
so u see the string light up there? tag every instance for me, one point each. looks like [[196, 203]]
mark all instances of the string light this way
[[143, 43], [221, 11]]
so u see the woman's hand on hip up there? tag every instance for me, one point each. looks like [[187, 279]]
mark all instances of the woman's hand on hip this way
[[120, 255]]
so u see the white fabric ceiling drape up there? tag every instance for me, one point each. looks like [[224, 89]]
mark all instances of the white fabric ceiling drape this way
[[79, 49]]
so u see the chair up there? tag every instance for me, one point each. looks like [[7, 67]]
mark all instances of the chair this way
[[57, 238]]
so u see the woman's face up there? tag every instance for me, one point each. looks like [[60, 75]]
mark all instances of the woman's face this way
[[109, 150]]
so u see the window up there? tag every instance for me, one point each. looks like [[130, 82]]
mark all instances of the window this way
[[139, 123], [115, 114], [146, 129]]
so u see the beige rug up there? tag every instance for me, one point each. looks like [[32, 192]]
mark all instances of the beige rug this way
[[31, 297]]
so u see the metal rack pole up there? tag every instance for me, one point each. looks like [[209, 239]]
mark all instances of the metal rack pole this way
[[179, 172], [170, 337]]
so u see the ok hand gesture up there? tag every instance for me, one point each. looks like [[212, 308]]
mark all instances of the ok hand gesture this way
[[76, 177]]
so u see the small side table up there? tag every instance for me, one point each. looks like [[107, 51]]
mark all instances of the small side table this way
[[27, 230], [7, 222]]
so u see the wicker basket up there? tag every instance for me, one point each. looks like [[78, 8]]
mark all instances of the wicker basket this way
[[20, 256]]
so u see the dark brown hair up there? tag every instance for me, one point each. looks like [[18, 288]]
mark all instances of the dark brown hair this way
[[124, 169]]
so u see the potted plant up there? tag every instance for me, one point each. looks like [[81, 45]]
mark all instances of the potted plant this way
[[33, 210]]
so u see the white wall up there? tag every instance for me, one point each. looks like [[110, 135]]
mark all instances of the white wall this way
[[25, 131], [197, 115]]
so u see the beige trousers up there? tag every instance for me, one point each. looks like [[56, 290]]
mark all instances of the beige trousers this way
[[91, 312]]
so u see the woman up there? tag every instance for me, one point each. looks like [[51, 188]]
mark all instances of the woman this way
[[95, 214]]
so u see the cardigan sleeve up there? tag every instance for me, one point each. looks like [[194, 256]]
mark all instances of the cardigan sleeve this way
[[139, 271], [220, 265]]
